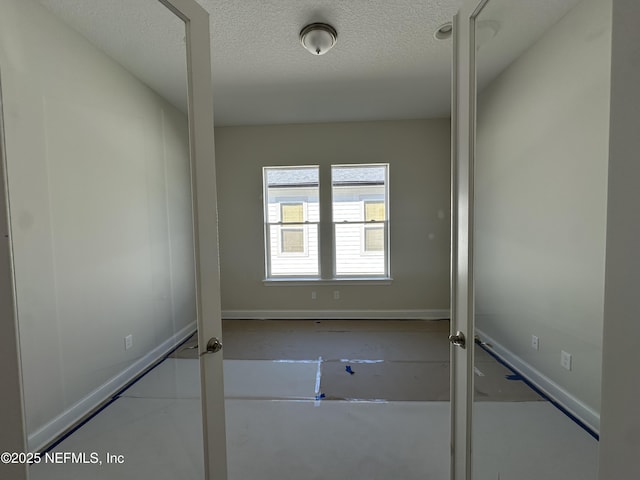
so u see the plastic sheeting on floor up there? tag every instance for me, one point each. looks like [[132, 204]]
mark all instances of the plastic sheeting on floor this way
[[276, 430]]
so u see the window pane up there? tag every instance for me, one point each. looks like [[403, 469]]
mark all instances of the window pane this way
[[286, 257], [373, 239], [373, 211], [358, 174], [292, 240], [352, 186], [292, 213], [291, 196], [359, 194], [352, 258], [291, 185]]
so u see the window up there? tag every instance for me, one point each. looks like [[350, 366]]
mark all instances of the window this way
[[359, 204], [292, 212], [292, 215], [292, 238], [373, 232], [360, 218]]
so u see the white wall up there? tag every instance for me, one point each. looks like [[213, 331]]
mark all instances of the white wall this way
[[541, 201], [100, 210], [419, 156]]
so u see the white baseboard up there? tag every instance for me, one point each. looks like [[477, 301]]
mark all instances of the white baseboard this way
[[74, 414], [336, 314], [572, 404]]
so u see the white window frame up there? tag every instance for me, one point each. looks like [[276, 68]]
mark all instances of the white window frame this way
[[269, 276], [387, 260], [325, 194]]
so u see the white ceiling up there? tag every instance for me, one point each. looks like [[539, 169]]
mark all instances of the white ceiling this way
[[386, 63]]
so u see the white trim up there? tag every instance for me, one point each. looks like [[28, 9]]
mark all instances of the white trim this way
[[336, 314], [76, 412], [305, 282], [12, 414], [571, 403]]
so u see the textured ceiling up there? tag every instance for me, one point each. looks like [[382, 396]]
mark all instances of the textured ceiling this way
[[385, 65]]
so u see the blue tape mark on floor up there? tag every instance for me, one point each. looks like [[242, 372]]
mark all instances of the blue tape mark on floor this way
[[320, 397], [349, 370]]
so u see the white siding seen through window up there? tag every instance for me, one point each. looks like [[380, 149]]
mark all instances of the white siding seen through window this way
[[360, 218]]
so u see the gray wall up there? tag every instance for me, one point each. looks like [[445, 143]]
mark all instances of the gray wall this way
[[100, 208], [419, 156], [541, 201]]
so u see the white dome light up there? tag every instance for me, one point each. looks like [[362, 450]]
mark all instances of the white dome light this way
[[318, 38]]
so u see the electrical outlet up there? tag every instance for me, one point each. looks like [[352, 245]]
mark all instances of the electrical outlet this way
[[128, 342], [336, 294], [314, 295], [565, 360], [535, 342]]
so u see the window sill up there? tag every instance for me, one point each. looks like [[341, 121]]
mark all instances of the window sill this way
[[298, 282]]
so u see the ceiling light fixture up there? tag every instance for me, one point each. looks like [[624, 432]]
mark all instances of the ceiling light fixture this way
[[318, 38], [444, 31]]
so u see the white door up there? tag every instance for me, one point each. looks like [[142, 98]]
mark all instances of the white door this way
[[461, 254], [506, 278], [204, 200], [110, 248]]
